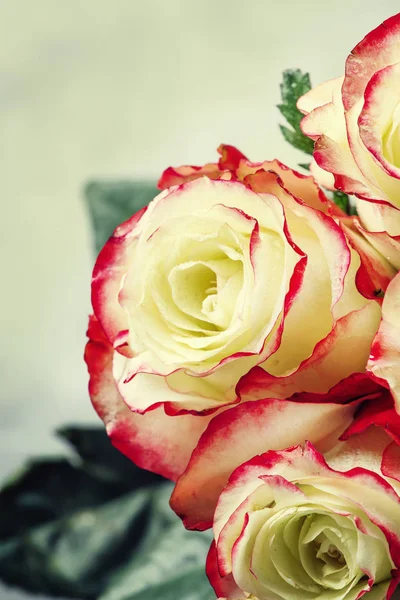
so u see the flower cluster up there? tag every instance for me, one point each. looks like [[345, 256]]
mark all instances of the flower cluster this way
[[245, 344]]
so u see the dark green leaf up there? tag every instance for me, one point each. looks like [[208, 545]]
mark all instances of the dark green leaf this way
[[101, 459], [191, 585], [342, 201], [353, 210], [294, 84], [112, 203], [76, 556], [70, 529], [305, 166], [46, 490], [297, 140], [172, 568]]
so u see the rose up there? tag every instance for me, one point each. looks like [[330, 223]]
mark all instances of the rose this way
[[215, 277], [218, 276], [355, 123], [290, 525]]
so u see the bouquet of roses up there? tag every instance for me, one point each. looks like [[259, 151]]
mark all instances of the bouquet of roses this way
[[245, 344]]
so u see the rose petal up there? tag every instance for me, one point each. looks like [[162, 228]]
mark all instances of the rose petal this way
[[238, 434], [223, 586], [358, 386], [375, 272], [380, 412], [153, 441], [384, 362], [178, 175], [108, 273], [231, 157], [378, 49], [391, 461], [381, 227], [342, 346], [324, 178], [319, 95], [378, 116]]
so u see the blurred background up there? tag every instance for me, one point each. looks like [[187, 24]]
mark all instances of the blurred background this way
[[100, 89]]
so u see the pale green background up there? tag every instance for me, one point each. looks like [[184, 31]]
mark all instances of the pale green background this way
[[123, 89]]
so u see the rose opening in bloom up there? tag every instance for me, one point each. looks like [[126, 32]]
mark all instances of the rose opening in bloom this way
[[355, 122], [209, 268], [216, 277], [290, 527], [225, 270]]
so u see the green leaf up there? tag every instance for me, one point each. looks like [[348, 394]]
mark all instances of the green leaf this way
[[169, 569], [75, 556], [130, 548], [46, 490], [297, 140], [191, 585], [342, 201], [294, 84], [71, 529], [101, 459], [353, 210], [112, 203], [305, 166]]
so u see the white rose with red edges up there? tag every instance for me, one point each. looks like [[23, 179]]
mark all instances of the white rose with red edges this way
[[224, 271], [291, 526], [355, 122]]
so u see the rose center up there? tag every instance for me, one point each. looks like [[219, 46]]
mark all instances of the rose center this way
[[207, 290], [328, 552], [192, 285], [326, 542]]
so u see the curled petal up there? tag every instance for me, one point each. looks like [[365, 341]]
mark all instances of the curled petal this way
[[108, 274], [381, 227], [391, 461], [323, 178], [384, 361], [379, 412], [178, 175], [231, 157], [378, 49], [319, 96], [358, 386], [375, 272], [319, 373], [377, 127], [153, 441], [230, 160], [223, 586]]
